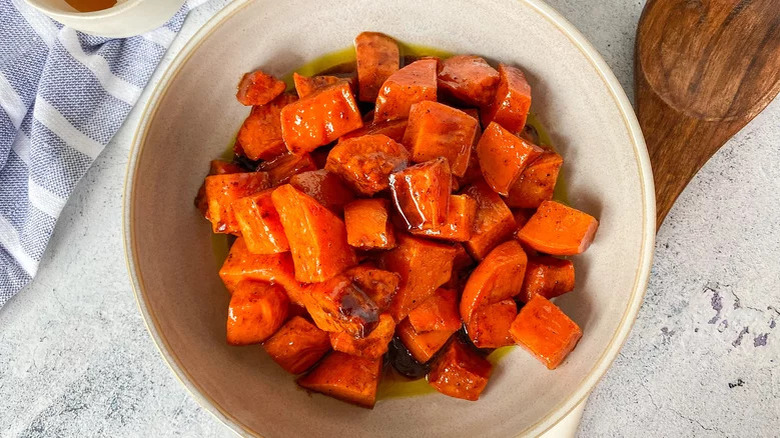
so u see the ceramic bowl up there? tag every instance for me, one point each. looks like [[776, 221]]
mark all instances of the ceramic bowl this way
[[193, 116]]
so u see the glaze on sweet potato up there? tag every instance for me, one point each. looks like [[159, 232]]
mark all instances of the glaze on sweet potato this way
[[558, 230], [216, 167], [352, 379], [512, 100], [493, 222], [377, 57], [460, 220], [439, 312], [282, 168], [260, 136], [422, 346], [259, 224], [256, 311], [222, 190], [469, 79], [547, 276], [459, 372], [372, 346], [326, 187], [537, 182], [503, 156], [489, 325], [380, 285], [394, 129], [258, 88], [422, 194], [545, 331], [298, 345], [498, 276], [338, 305], [414, 83], [368, 224], [366, 162], [305, 85]]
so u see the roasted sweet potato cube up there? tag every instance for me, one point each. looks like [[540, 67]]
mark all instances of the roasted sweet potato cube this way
[[377, 57], [439, 312], [317, 237], [260, 136], [256, 311], [460, 221], [537, 182], [366, 162], [320, 118], [298, 345], [394, 129], [305, 85], [348, 378], [460, 268], [460, 372], [512, 100], [499, 276], [373, 345], [503, 156], [469, 79], [547, 276], [493, 222], [489, 325], [422, 346], [339, 305], [380, 285], [326, 187], [222, 190], [217, 167], [414, 83], [437, 130], [545, 331], [368, 224], [558, 230], [259, 223], [423, 266], [258, 88], [282, 168], [422, 194]]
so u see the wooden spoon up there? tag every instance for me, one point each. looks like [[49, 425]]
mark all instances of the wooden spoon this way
[[704, 68]]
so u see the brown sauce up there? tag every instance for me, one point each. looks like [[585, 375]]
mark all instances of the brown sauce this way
[[90, 5]]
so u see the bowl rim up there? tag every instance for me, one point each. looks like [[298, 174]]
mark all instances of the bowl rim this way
[[609, 354]]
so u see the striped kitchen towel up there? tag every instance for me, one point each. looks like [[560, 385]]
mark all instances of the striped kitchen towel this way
[[63, 95]]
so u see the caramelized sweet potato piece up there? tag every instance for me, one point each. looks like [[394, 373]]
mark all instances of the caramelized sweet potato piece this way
[[320, 118], [258, 88], [352, 379], [368, 224], [298, 345], [305, 85], [559, 230], [459, 372], [423, 266], [380, 285], [498, 277], [547, 276], [394, 129], [374, 345], [222, 190], [437, 130], [422, 194], [460, 221], [317, 237], [259, 223], [522, 215], [545, 331], [366, 162], [326, 187], [469, 79], [260, 136], [422, 346], [493, 222], [256, 311], [413, 83], [503, 156], [217, 167], [377, 58], [339, 305], [282, 168], [489, 325], [439, 312], [537, 182], [512, 101]]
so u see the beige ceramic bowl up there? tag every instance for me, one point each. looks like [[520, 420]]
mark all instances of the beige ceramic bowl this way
[[193, 116]]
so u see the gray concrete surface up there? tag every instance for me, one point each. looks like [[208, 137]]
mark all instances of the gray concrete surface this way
[[75, 358]]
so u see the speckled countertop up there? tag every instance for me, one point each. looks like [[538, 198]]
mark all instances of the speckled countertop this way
[[75, 358]]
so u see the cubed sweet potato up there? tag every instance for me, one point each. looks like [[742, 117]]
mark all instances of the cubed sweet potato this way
[[380, 285], [258, 88], [217, 167], [317, 237], [503, 156], [338, 305], [368, 224], [222, 190], [259, 223], [558, 230], [537, 182], [282, 168], [305, 85], [437, 130], [439, 312], [377, 57], [298, 345], [366, 162], [422, 193], [493, 222], [545, 331], [348, 378], [498, 276], [413, 83], [460, 372], [422, 346], [260, 136], [394, 129], [489, 325], [320, 118], [469, 79], [512, 100], [460, 220], [326, 187], [423, 266], [547, 276], [373, 345], [256, 311]]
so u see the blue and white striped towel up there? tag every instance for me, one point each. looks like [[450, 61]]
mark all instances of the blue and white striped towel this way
[[63, 95]]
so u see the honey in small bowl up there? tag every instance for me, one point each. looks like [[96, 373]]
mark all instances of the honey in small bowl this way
[[91, 5]]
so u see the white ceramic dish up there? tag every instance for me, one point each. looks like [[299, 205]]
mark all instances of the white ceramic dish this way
[[193, 116]]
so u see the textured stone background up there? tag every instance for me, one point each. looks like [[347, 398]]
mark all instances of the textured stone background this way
[[75, 358]]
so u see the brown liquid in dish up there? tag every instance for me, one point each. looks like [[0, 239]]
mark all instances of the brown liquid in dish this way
[[91, 5]]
